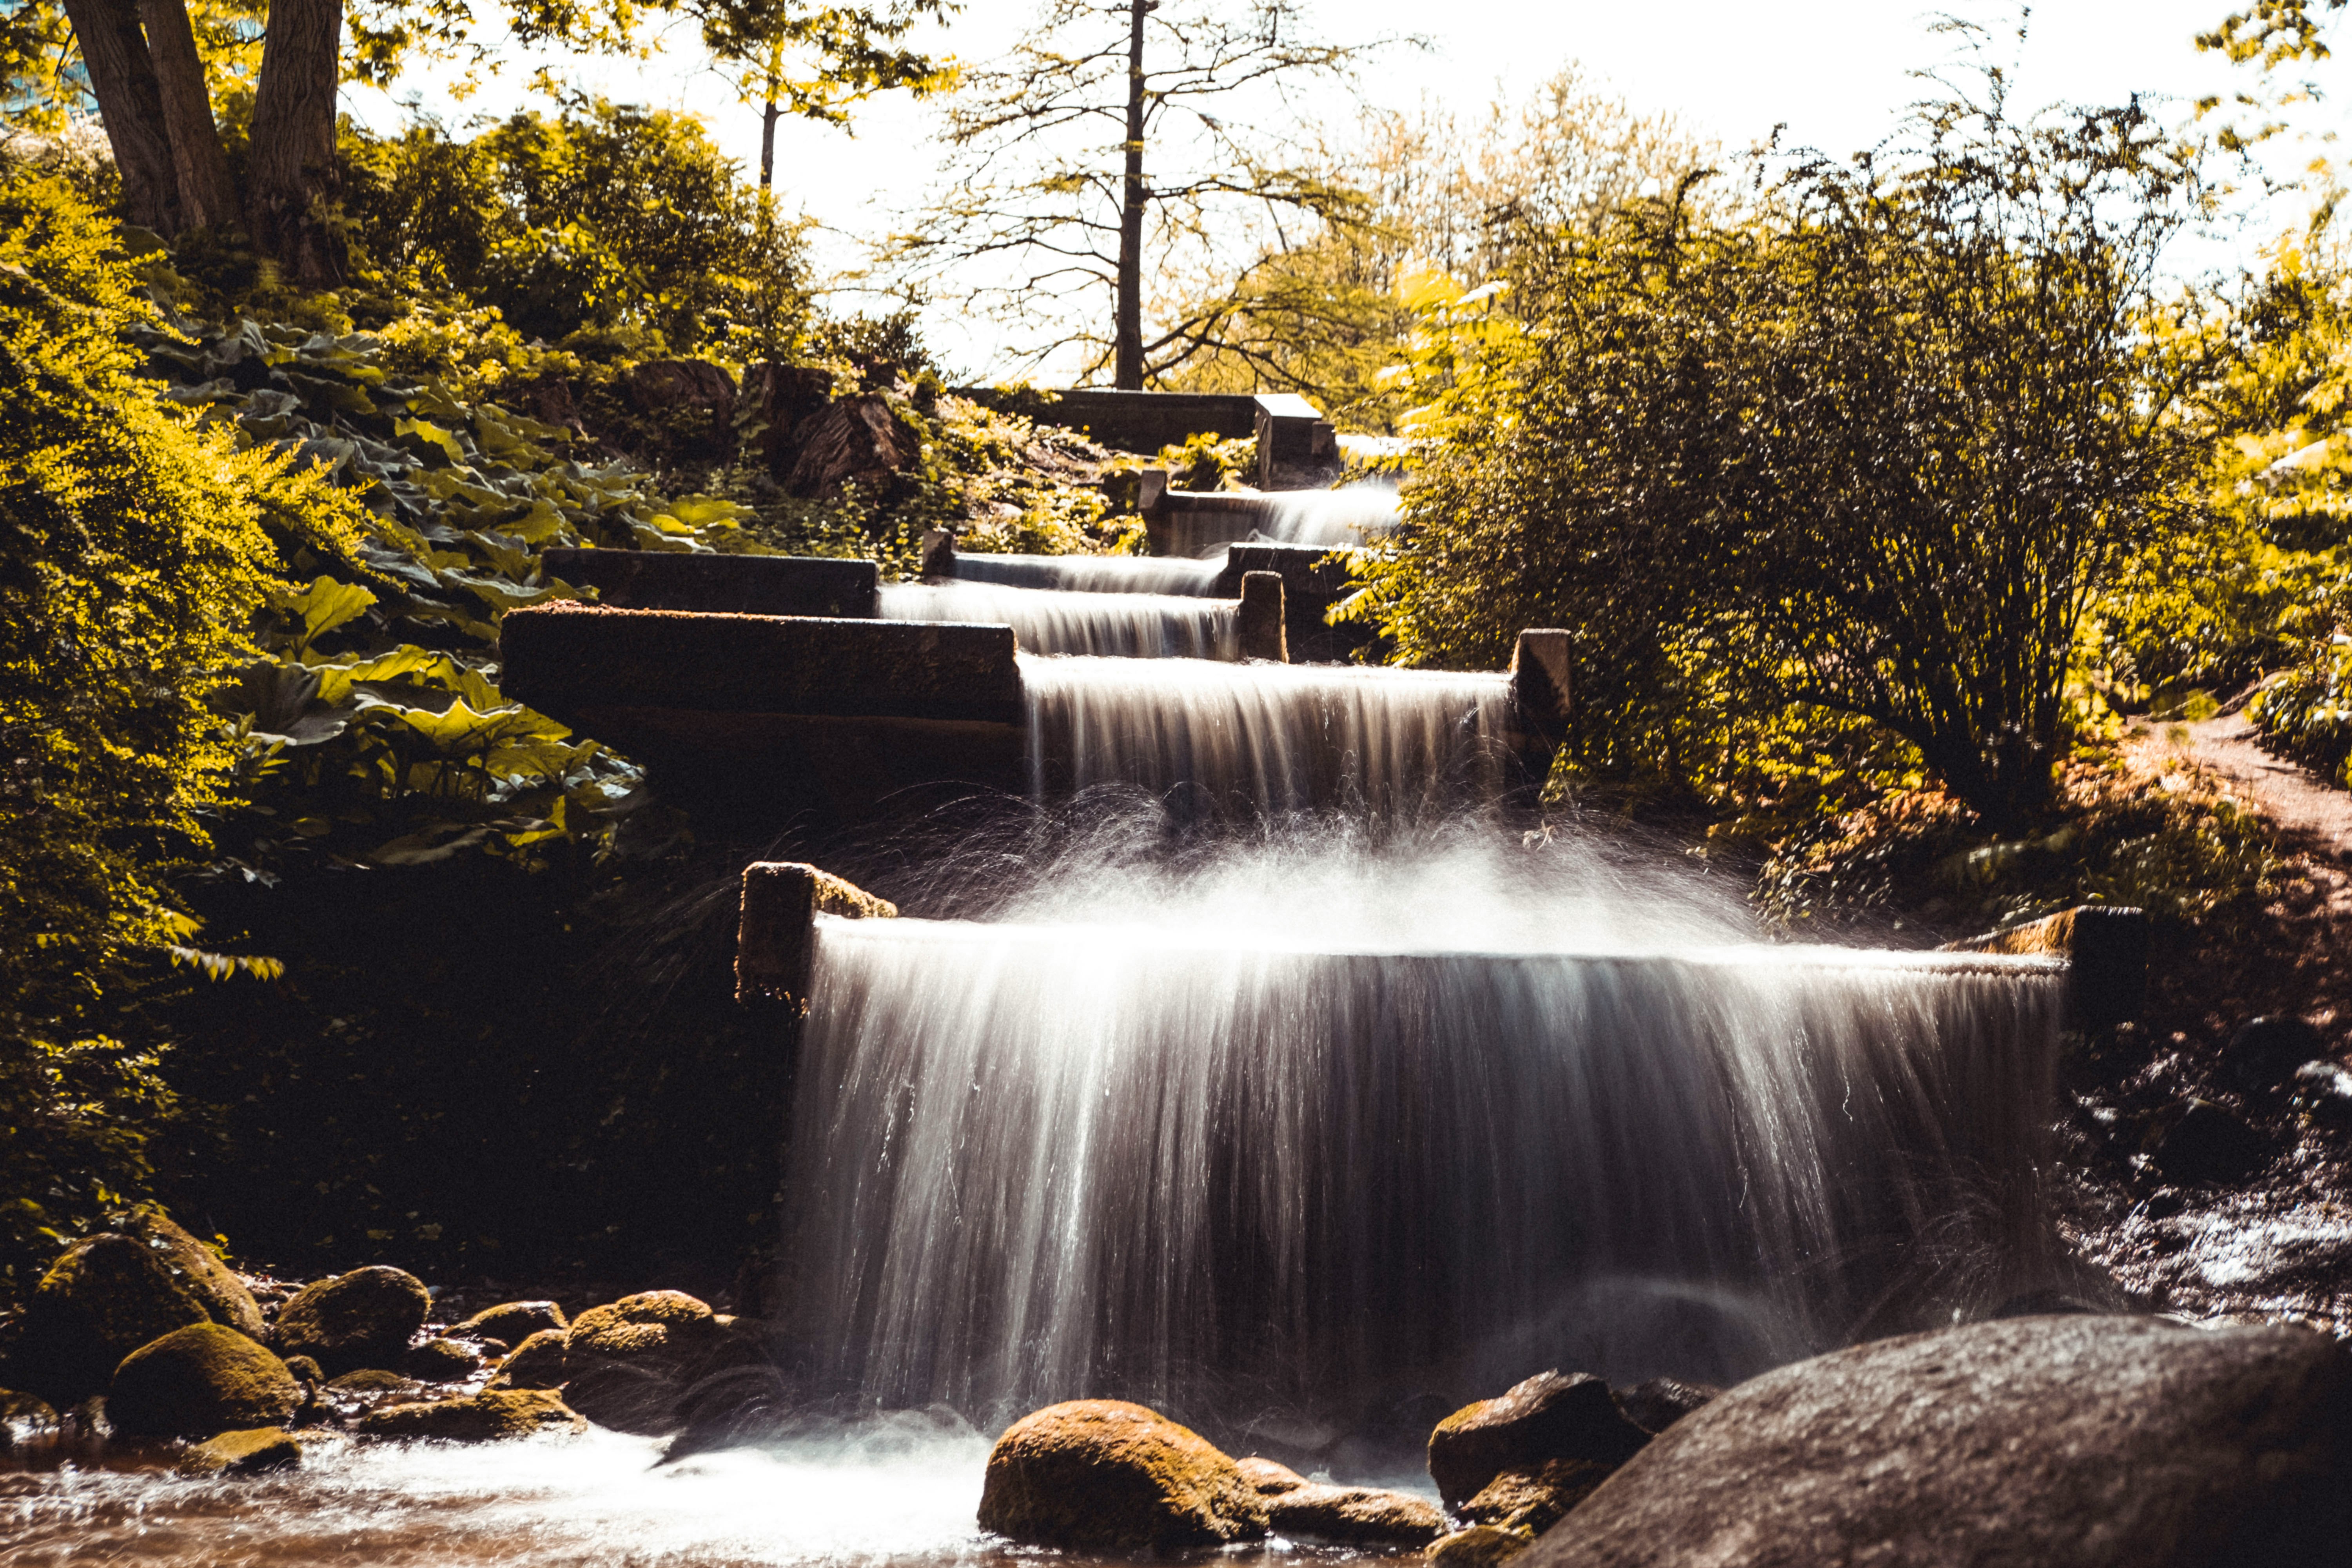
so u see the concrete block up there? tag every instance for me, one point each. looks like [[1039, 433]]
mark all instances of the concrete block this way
[[1541, 681], [1260, 617], [729, 585], [2106, 949], [776, 927]]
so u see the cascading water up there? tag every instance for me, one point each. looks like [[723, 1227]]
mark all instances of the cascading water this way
[[1349, 516], [1063, 621], [1097, 574], [1288, 1137], [1275, 738]]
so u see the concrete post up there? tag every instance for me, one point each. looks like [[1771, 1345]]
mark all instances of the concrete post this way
[[1540, 682], [2106, 949], [775, 934], [1262, 635]]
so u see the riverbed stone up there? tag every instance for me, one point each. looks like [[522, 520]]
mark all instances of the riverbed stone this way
[[1657, 1402], [1480, 1546], [363, 1319], [1536, 1499], [1269, 1479], [1360, 1516], [1548, 1416], [2202, 1140], [2087, 1441], [1104, 1474], [102, 1300], [247, 1453], [440, 1361], [537, 1363], [626, 1364], [197, 1267], [511, 1321], [197, 1381], [27, 1421], [348, 1398], [491, 1416]]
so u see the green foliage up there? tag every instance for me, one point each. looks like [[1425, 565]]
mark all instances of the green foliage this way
[[605, 219], [135, 548], [1873, 448]]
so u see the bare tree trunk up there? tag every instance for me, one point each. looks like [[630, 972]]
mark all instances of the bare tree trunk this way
[[767, 142], [293, 138], [207, 196], [131, 106], [1128, 372]]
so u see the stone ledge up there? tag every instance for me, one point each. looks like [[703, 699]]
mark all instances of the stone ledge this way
[[2106, 949], [777, 923], [723, 585]]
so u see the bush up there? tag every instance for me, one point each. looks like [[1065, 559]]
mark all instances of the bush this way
[[135, 549]]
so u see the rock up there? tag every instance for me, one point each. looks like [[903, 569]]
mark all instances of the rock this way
[[1548, 1416], [196, 1267], [26, 1422], [2324, 1089], [2198, 1141], [440, 1361], [488, 1417], [1535, 1499], [363, 1319], [729, 1409], [856, 440], [352, 1395], [1364, 1516], [1105, 1474], [2081, 1441], [306, 1372], [1479, 1546], [537, 1363], [199, 1380], [1658, 1402], [623, 1398], [1269, 1479], [691, 401], [243, 1453], [626, 1364], [103, 1298], [512, 1321], [785, 394], [2265, 1051]]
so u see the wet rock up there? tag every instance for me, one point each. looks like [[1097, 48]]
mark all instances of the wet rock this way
[[1480, 1546], [308, 1373], [1535, 1499], [537, 1363], [2200, 1141], [198, 1268], [2323, 1091], [347, 1398], [363, 1319], [197, 1381], [488, 1416], [623, 1398], [1548, 1417], [2265, 1052], [247, 1453], [1360, 1516], [2040, 1304], [626, 1364], [440, 1361], [853, 441], [102, 1300], [1105, 1474], [1269, 1479], [512, 1321], [26, 1422], [1657, 1402], [729, 1409], [2087, 1441]]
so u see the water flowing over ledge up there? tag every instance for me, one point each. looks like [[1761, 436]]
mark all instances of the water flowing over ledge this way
[[1065, 621], [1096, 573]]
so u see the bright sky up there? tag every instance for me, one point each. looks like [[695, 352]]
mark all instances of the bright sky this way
[[1836, 71]]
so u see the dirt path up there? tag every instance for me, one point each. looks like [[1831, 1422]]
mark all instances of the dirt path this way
[[2303, 808]]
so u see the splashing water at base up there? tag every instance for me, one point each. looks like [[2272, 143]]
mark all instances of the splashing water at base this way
[[1097, 574], [1060, 621]]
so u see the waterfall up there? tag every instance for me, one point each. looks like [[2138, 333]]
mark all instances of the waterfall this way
[[1275, 738], [1252, 1169], [1347, 516], [1096, 573], [1060, 621]]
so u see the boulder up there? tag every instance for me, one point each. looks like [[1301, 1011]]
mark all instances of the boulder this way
[[103, 1298], [2324, 1089], [196, 1267], [2077, 1441], [625, 1398], [27, 1421], [1107, 1475], [1360, 1516], [440, 1361], [1269, 1479], [1548, 1416], [2266, 1050], [308, 1373], [197, 1381], [626, 1364], [1480, 1546], [363, 1319], [352, 1395], [2200, 1141], [537, 1363], [511, 1321], [1535, 1499], [245, 1453], [730, 1409], [484, 1417], [855, 440], [1658, 1402]]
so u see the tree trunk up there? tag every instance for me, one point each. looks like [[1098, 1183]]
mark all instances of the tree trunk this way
[[131, 106], [768, 119], [1128, 372], [292, 172], [207, 197]]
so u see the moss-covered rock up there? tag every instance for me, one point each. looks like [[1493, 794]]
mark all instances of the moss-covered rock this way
[[1548, 1416], [537, 1363], [626, 1362], [1105, 1474], [27, 1421], [103, 1298], [1534, 1500], [511, 1322], [1480, 1546], [1269, 1479], [488, 1417], [1364, 1516], [363, 1319], [247, 1453], [440, 1361], [199, 1380], [347, 1398], [196, 1267]]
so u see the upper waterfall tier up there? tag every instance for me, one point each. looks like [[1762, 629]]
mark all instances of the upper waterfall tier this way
[[1096, 573], [1061, 621]]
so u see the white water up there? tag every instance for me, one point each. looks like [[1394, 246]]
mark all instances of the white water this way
[[1349, 516], [1274, 738], [1097, 574], [1062, 621], [1288, 1139]]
